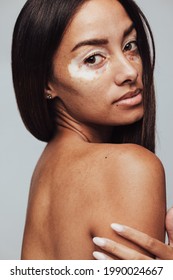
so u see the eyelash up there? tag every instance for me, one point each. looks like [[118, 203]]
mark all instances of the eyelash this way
[[95, 55], [135, 49]]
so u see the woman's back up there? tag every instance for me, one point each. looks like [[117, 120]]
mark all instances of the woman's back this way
[[78, 189]]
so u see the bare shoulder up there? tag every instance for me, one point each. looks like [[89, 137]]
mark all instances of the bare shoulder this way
[[131, 152], [127, 163], [143, 161], [138, 173], [132, 191], [131, 172], [131, 166], [139, 155]]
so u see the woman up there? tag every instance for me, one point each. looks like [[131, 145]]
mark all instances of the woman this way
[[83, 78]]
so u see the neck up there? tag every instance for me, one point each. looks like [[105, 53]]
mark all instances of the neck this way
[[87, 132]]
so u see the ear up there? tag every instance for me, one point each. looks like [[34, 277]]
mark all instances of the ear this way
[[50, 91]]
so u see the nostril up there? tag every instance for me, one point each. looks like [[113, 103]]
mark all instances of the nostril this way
[[126, 70]]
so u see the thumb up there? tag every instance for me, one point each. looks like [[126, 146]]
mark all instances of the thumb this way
[[169, 225]]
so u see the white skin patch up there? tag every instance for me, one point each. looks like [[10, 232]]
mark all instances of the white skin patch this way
[[83, 71]]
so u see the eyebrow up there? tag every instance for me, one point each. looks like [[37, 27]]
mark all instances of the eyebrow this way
[[129, 30], [91, 42], [101, 42]]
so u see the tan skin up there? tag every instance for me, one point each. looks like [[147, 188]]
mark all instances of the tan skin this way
[[81, 184], [158, 249]]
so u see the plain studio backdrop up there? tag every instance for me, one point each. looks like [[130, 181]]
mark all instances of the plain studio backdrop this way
[[19, 151]]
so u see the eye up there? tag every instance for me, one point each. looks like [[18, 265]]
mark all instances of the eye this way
[[131, 46], [94, 60]]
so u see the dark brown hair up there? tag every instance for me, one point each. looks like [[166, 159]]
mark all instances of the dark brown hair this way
[[37, 35]]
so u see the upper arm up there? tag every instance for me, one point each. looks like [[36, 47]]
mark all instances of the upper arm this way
[[134, 194]]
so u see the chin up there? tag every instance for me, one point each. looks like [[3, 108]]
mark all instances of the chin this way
[[134, 117]]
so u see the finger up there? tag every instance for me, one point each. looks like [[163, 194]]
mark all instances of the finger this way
[[152, 245], [101, 256], [119, 250], [169, 225]]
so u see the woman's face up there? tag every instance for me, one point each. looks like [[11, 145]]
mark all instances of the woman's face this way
[[97, 68]]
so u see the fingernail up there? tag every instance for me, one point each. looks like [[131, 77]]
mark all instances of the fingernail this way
[[99, 256], [99, 241], [117, 227]]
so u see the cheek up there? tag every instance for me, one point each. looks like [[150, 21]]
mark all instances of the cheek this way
[[78, 92], [85, 100], [137, 62], [89, 83], [85, 72], [79, 85], [86, 93]]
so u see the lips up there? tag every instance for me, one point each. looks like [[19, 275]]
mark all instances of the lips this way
[[130, 94], [130, 99]]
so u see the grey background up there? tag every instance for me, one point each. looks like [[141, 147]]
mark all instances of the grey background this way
[[19, 151]]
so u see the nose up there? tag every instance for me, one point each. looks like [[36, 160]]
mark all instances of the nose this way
[[126, 70]]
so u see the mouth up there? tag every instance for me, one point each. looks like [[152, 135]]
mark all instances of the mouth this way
[[131, 98]]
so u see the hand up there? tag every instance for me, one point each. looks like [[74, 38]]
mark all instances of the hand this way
[[153, 246]]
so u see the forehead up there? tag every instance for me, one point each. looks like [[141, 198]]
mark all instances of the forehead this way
[[98, 17]]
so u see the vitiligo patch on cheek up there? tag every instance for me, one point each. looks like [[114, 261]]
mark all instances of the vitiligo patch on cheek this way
[[134, 58], [84, 72]]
